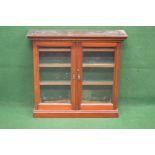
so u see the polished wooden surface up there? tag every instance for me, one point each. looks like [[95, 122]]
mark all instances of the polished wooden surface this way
[[115, 35], [75, 113], [79, 33]]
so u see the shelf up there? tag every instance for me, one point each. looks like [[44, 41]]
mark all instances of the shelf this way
[[54, 50], [85, 83], [54, 65], [98, 49], [86, 102], [55, 83], [96, 65], [52, 102], [92, 83]]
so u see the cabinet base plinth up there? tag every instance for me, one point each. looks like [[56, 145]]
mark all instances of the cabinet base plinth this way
[[75, 114]]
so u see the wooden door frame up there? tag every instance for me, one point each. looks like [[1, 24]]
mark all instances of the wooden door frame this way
[[56, 106], [113, 105]]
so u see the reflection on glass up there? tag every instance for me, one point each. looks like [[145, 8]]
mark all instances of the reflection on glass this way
[[98, 77], [55, 78], [97, 94], [55, 74], [56, 57], [55, 94], [97, 74], [98, 57]]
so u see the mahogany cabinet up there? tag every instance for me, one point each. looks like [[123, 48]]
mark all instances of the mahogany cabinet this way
[[76, 73]]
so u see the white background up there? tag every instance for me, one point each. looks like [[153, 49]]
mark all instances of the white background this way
[[77, 13], [77, 142]]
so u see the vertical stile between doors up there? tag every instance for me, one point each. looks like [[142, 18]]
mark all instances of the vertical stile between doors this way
[[73, 76], [79, 74]]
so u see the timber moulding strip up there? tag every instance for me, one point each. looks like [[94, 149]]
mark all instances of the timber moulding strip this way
[[75, 113]]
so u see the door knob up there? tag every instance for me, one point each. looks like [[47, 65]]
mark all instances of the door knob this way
[[73, 76], [79, 77]]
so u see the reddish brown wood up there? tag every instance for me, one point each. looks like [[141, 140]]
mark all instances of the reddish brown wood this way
[[73, 76], [36, 75], [79, 74], [98, 44], [90, 106], [115, 89], [58, 106], [75, 113], [53, 44], [78, 42], [116, 76]]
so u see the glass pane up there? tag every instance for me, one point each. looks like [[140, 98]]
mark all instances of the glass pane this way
[[55, 74], [97, 84], [98, 57], [98, 74], [97, 94], [54, 57], [55, 85], [55, 94]]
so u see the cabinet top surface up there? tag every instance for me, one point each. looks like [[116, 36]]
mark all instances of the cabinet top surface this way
[[77, 33]]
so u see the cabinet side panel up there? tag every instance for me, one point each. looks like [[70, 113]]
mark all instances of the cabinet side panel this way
[[36, 75], [116, 76]]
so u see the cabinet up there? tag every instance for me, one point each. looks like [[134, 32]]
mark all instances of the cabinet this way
[[76, 72]]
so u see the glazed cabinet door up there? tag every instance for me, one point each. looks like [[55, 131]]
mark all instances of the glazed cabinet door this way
[[54, 75], [97, 76]]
